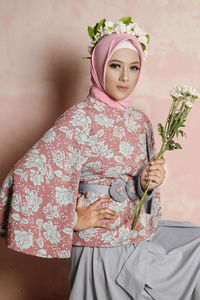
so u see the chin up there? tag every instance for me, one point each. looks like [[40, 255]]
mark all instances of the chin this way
[[118, 95], [118, 98]]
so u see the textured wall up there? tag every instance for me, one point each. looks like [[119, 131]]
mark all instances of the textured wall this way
[[42, 74]]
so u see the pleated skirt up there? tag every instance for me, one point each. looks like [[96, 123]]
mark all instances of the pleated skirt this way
[[166, 267]]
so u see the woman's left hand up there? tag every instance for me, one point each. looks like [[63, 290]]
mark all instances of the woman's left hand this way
[[153, 171]]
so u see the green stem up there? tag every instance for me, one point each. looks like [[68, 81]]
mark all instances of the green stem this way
[[170, 112], [138, 207], [175, 106], [178, 119]]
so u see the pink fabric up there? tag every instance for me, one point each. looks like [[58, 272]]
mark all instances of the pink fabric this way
[[87, 144], [100, 56]]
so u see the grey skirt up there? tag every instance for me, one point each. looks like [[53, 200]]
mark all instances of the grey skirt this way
[[166, 267]]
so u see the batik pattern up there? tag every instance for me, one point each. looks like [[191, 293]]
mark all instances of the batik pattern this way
[[89, 143]]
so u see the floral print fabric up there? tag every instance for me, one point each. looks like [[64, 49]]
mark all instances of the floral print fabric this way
[[89, 143]]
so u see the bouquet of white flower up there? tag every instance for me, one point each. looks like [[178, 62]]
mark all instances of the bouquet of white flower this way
[[183, 100]]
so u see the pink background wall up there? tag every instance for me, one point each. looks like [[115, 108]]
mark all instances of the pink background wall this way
[[42, 74]]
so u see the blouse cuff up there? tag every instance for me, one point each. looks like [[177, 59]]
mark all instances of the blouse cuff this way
[[141, 192]]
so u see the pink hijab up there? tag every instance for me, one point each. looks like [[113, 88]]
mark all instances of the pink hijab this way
[[100, 56]]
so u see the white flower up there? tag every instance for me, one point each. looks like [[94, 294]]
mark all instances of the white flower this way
[[188, 104], [137, 30], [108, 29], [97, 36], [108, 25], [120, 27], [184, 91], [175, 94], [143, 39], [130, 28]]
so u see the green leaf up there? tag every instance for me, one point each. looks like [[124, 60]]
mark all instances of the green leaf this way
[[126, 20], [148, 38], [101, 24], [95, 29], [170, 145], [143, 47], [178, 146], [161, 129], [90, 31], [182, 133]]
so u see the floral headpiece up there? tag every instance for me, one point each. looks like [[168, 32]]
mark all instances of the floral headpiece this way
[[124, 25]]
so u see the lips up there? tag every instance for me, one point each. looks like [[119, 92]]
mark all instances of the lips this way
[[122, 87]]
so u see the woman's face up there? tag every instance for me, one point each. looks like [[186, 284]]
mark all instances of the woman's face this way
[[122, 73]]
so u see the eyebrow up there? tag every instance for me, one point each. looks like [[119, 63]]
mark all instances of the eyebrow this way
[[135, 62]]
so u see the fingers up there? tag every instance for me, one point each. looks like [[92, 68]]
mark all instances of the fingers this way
[[102, 225], [105, 213], [160, 161], [100, 201], [156, 170], [80, 201], [91, 216], [155, 175], [153, 171]]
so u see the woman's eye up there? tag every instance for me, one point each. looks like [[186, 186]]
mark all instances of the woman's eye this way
[[115, 66], [134, 68]]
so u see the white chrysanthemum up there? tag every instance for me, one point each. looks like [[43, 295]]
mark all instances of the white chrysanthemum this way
[[130, 28], [143, 39], [137, 30], [120, 27], [184, 91], [97, 36], [175, 94], [108, 27], [188, 104]]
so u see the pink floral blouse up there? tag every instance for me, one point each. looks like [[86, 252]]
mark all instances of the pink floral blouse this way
[[89, 143]]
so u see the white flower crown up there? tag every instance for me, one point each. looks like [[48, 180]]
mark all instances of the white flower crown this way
[[124, 25]]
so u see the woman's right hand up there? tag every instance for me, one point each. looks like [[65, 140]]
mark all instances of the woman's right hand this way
[[90, 216]]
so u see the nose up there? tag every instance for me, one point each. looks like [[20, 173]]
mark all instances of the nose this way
[[124, 75]]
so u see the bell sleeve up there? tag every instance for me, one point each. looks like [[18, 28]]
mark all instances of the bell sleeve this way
[[151, 203], [38, 196]]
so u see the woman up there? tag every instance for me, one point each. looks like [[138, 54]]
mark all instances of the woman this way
[[104, 148]]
